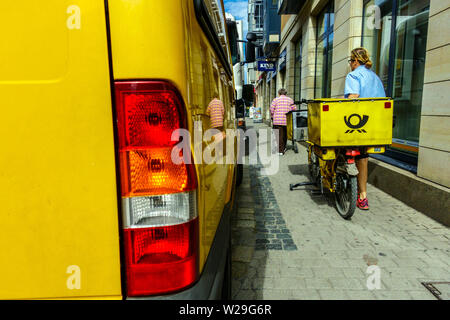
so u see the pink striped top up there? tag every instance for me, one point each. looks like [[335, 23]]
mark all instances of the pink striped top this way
[[280, 106], [216, 112]]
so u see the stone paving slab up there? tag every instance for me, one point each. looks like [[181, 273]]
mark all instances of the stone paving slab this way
[[294, 245]]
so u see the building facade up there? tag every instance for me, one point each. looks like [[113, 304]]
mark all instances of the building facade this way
[[256, 26], [268, 42], [409, 43]]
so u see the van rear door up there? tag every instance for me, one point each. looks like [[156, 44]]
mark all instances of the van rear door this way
[[59, 234]]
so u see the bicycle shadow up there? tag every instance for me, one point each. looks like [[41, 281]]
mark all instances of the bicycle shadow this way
[[302, 172]]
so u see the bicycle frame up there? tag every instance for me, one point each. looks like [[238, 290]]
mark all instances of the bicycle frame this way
[[327, 158]]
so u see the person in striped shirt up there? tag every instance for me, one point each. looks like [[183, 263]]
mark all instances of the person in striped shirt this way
[[280, 106], [216, 112]]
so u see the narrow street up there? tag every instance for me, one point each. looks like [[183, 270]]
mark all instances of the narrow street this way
[[294, 245]]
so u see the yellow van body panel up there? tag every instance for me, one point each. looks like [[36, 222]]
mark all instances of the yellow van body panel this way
[[206, 75], [59, 218], [147, 40], [163, 40], [58, 189]]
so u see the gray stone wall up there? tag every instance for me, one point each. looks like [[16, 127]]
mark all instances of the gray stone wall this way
[[434, 141]]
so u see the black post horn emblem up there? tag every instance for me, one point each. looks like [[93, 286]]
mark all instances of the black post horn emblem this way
[[362, 122]]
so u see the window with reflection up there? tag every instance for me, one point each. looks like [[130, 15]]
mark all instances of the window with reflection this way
[[397, 44], [324, 51], [298, 70], [259, 16], [377, 36]]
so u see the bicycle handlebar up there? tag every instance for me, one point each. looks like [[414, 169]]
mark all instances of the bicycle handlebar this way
[[307, 101], [304, 101]]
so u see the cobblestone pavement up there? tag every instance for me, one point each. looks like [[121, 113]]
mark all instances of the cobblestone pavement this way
[[294, 245]]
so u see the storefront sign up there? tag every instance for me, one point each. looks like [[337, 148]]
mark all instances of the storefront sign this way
[[266, 66]]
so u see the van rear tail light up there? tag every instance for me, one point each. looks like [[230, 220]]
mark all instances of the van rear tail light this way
[[325, 107], [387, 105], [160, 216]]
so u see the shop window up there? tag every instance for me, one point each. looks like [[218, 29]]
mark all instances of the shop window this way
[[377, 36], [298, 70], [324, 51], [398, 54]]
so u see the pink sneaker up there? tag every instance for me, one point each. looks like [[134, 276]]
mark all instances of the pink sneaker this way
[[362, 204]]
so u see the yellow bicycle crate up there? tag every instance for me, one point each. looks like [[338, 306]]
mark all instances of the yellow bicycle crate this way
[[350, 122]]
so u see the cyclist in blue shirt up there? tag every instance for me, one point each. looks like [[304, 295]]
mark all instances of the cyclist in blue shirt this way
[[362, 82]]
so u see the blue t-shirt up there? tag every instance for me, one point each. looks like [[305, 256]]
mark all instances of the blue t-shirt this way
[[364, 82]]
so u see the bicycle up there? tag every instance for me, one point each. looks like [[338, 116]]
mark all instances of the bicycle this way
[[333, 144]]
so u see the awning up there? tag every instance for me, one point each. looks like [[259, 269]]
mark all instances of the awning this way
[[290, 6], [273, 75], [282, 60], [259, 82]]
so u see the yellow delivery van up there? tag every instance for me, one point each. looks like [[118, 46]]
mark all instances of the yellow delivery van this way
[[92, 206]]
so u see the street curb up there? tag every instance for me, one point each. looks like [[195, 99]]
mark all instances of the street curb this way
[[427, 197]]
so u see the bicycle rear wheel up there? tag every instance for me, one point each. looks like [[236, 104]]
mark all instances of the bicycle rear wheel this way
[[345, 195]]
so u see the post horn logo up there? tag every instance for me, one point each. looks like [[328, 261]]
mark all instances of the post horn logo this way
[[361, 123]]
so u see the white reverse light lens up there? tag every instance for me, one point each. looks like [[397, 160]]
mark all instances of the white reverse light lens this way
[[163, 210]]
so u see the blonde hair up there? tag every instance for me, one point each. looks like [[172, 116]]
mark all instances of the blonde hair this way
[[362, 56]]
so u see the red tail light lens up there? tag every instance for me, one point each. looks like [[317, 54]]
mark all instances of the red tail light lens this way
[[158, 195], [387, 105], [161, 259], [325, 107], [149, 113]]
